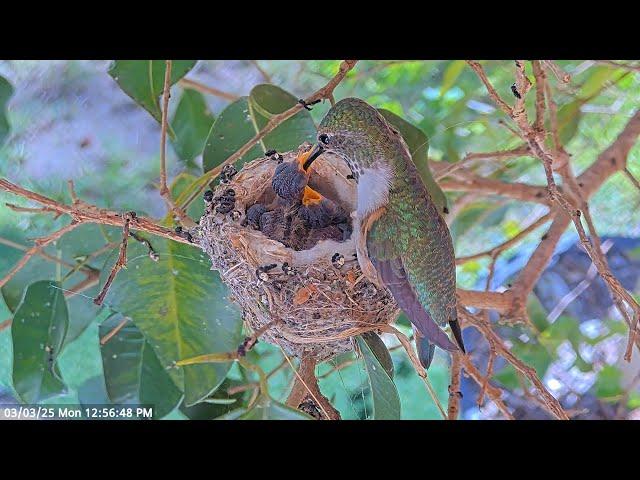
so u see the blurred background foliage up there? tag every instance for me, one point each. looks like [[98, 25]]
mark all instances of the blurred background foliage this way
[[63, 120]]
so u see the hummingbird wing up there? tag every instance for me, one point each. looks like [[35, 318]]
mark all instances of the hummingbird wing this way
[[390, 268]]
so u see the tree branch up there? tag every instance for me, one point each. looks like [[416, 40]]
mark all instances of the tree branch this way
[[193, 85], [550, 402], [87, 213], [120, 262], [306, 386], [497, 250], [454, 387], [325, 92], [469, 182]]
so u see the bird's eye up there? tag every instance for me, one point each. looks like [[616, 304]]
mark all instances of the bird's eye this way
[[324, 138]]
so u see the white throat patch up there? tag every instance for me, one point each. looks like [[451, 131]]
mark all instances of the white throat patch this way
[[373, 189]]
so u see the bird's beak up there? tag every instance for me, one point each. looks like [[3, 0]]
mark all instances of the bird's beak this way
[[314, 153]]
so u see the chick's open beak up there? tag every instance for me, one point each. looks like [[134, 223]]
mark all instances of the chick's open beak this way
[[307, 158]]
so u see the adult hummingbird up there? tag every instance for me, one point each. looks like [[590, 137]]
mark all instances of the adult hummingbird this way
[[402, 241]]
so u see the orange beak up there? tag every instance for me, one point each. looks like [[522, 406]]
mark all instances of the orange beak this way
[[307, 158], [311, 197]]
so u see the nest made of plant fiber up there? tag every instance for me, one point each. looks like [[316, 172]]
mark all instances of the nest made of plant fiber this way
[[310, 301]]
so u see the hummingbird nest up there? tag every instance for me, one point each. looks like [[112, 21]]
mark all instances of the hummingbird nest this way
[[303, 291]]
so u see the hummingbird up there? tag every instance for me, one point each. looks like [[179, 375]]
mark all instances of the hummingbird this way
[[402, 241]]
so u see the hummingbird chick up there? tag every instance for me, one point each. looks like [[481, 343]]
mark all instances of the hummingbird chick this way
[[253, 215], [290, 178], [272, 224], [318, 211]]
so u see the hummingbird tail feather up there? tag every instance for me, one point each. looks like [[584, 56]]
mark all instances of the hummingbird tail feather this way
[[457, 333], [425, 349]]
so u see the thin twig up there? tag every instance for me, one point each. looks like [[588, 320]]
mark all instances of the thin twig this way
[[307, 383], [45, 255], [541, 82], [497, 250], [630, 176], [550, 402], [494, 393], [164, 189], [86, 213], [453, 406], [262, 71], [200, 87], [40, 243], [492, 91], [514, 152], [565, 301], [422, 373], [166, 93], [114, 331], [626, 66], [483, 387], [325, 92], [120, 262], [560, 74], [17, 208]]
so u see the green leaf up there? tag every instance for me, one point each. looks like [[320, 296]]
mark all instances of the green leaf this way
[[93, 392], [225, 403], [218, 404], [191, 124], [133, 374], [469, 217], [182, 309], [598, 78], [181, 188], [6, 90], [386, 402], [634, 400], [143, 80], [451, 74], [564, 328], [78, 243], [569, 116], [608, 382], [231, 130], [265, 101], [266, 408], [233, 414], [537, 313], [245, 117], [533, 354], [38, 330], [508, 377], [418, 145], [379, 349]]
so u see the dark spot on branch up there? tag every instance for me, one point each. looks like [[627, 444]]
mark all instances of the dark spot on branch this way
[[515, 92], [306, 105]]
